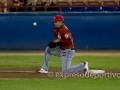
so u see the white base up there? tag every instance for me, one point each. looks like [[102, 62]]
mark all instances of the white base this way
[[96, 71]]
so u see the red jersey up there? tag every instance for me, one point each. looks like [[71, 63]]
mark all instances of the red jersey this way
[[59, 33]]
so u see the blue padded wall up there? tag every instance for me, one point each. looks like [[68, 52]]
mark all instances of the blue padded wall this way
[[89, 30]]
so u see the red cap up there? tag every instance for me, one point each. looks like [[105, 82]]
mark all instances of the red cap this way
[[58, 18]]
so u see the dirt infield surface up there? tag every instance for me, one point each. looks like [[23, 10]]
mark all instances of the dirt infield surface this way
[[24, 73], [53, 72], [30, 73]]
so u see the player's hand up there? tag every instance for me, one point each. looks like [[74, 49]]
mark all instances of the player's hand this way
[[57, 40]]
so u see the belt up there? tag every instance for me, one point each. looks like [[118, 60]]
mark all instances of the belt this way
[[66, 49]]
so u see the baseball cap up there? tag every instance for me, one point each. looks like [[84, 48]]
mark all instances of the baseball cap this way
[[58, 18]]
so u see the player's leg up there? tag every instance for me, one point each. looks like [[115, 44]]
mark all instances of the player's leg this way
[[67, 56], [47, 56]]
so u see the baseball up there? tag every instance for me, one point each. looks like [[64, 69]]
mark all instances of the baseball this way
[[34, 24]]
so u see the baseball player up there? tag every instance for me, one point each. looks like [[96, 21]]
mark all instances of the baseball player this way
[[63, 47]]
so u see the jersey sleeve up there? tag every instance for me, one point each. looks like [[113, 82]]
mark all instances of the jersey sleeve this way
[[64, 39]]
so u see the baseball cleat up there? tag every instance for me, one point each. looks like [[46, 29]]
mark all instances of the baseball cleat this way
[[37, 69], [41, 71], [86, 67]]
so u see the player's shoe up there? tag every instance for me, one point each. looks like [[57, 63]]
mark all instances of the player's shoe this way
[[41, 71], [86, 67]]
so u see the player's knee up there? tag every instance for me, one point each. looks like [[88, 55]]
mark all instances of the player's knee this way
[[47, 48], [47, 51]]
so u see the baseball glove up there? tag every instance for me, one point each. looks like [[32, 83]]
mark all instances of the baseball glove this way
[[54, 44]]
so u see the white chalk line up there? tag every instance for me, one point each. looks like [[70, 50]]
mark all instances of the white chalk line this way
[[17, 71]]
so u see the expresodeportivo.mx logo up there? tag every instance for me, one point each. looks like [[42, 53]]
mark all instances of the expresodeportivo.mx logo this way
[[82, 75]]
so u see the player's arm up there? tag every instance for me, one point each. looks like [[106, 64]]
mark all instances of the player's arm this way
[[67, 38]]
